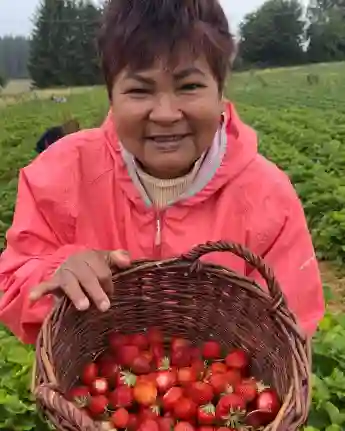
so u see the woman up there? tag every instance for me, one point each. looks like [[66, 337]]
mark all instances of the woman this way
[[53, 134], [171, 167]]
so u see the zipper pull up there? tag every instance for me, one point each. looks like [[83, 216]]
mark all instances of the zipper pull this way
[[158, 237]]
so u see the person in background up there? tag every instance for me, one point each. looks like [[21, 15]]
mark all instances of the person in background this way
[[173, 165], [53, 134]]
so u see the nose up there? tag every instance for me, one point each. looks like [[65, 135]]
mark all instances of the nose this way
[[165, 110]]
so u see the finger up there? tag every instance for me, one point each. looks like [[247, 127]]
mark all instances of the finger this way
[[43, 289], [91, 286], [100, 267], [71, 288], [119, 258]]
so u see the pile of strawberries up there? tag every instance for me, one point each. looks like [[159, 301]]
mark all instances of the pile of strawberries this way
[[138, 384]]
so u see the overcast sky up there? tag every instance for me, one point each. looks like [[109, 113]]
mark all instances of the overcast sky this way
[[16, 15]]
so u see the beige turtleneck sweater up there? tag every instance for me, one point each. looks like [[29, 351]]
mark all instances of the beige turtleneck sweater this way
[[161, 192]]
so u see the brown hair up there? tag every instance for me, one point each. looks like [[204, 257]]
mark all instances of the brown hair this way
[[135, 33]]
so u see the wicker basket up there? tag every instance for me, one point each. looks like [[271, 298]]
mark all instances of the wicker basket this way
[[188, 297]]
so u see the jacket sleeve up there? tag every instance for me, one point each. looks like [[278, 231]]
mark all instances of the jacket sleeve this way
[[288, 250], [39, 240]]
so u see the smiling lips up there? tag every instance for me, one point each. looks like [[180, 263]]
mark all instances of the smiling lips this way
[[167, 139]]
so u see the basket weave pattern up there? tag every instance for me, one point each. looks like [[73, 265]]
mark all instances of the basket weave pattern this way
[[188, 297]]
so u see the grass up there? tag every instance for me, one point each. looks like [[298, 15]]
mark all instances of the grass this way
[[301, 128]]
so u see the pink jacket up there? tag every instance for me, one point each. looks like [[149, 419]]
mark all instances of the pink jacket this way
[[82, 193]]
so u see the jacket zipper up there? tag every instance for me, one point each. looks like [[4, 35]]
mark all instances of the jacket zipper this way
[[158, 236]]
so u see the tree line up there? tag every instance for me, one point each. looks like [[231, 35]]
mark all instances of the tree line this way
[[62, 51]]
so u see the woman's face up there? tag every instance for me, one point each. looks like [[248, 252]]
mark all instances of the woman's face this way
[[167, 117]]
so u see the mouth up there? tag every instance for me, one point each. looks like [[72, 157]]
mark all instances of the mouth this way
[[167, 139]]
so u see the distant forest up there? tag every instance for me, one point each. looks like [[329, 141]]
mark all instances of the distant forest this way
[[14, 55]]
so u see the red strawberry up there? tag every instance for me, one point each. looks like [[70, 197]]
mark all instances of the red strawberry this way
[[233, 377], [218, 368], [185, 409], [132, 422], [157, 353], [120, 418], [184, 426], [201, 393], [218, 383], [90, 373], [171, 398], [268, 400], [109, 369], [149, 425], [79, 395], [165, 423], [97, 405], [140, 340], [228, 404], [211, 350], [145, 413], [199, 367], [155, 336], [206, 414], [247, 389], [186, 376], [121, 397], [99, 386], [207, 428], [117, 340], [237, 359], [126, 355], [165, 380], [181, 357], [195, 353], [178, 342], [141, 365]]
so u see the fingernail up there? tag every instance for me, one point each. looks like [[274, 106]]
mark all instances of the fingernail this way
[[104, 305], [83, 304]]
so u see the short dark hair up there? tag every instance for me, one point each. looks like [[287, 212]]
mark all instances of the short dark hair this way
[[135, 33]]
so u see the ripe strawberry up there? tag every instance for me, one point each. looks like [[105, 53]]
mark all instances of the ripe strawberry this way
[[268, 400], [181, 357], [165, 380], [145, 393], [99, 386], [207, 428], [199, 367], [233, 377], [140, 340], [120, 418], [171, 398], [121, 397], [157, 353], [97, 405], [126, 355], [195, 353], [89, 374], [228, 404], [79, 395], [148, 355], [109, 369], [206, 414], [155, 336], [178, 342], [147, 378], [211, 350], [145, 413], [201, 393], [117, 340], [141, 365], [185, 409], [218, 383], [186, 376], [133, 422], [184, 426], [247, 389], [165, 423], [149, 425], [218, 368], [237, 359]]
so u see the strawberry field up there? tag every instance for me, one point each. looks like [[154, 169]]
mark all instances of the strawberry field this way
[[301, 128]]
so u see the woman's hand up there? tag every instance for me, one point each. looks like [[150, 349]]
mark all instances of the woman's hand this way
[[85, 277]]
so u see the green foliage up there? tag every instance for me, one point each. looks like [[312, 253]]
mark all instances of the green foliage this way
[[272, 34], [63, 46]]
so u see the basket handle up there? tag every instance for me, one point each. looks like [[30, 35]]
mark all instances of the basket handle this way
[[55, 402], [254, 260]]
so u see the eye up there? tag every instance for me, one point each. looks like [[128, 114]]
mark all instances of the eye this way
[[192, 86], [138, 91]]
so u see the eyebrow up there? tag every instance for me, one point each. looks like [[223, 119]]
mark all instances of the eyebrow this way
[[177, 76]]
